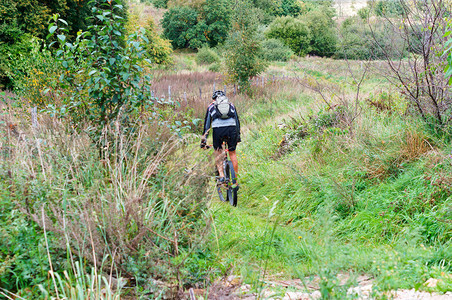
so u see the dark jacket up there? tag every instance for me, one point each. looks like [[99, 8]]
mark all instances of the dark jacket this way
[[212, 119]]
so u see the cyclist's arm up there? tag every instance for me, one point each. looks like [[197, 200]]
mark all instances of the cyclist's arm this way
[[237, 121], [207, 123]]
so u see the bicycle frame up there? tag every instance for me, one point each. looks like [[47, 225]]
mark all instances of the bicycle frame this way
[[230, 178]]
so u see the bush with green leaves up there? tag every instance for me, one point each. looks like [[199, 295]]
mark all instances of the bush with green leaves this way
[[294, 32], [30, 70], [323, 29], [275, 50], [159, 3], [23, 259], [206, 56], [291, 8], [180, 26], [215, 67], [32, 16], [358, 41], [158, 49], [390, 8], [448, 52], [13, 45], [107, 78], [243, 47], [190, 27]]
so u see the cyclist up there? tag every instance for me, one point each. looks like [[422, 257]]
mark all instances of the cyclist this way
[[226, 128]]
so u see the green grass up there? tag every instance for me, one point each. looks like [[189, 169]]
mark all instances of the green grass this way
[[317, 197], [368, 203]]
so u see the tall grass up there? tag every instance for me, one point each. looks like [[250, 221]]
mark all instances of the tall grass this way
[[370, 198], [347, 199], [133, 215]]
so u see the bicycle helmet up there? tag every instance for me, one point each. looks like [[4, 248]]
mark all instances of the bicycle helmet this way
[[217, 93]]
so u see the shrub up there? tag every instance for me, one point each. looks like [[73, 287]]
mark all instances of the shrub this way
[[324, 38], [293, 32], [244, 52], [189, 27], [180, 26], [291, 8], [160, 3], [206, 56], [104, 90], [30, 70], [364, 12], [12, 45], [32, 16], [388, 8], [158, 48], [275, 50], [215, 67], [357, 41]]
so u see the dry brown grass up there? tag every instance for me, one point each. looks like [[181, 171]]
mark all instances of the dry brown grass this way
[[387, 158], [415, 145], [111, 209]]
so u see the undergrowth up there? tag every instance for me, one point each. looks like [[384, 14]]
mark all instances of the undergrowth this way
[[350, 199]]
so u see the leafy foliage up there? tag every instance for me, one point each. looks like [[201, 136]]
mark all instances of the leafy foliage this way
[[29, 69], [294, 32], [207, 56], [243, 46], [160, 3], [159, 49], [323, 29], [448, 52], [107, 76], [291, 8], [390, 8], [275, 50], [189, 27], [281, 7], [180, 27], [358, 41], [23, 258], [32, 16]]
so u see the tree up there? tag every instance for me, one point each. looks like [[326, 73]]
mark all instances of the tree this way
[[191, 27], [420, 75], [105, 77], [158, 48], [32, 16], [324, 38], [293, 32], [180, 26], [243, 55], [388, 8], [217, 16], [25, 19], [291, 8]]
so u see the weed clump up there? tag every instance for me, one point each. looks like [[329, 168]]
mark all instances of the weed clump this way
[[207, 56]]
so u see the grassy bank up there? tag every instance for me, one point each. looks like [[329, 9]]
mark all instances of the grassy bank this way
[[332, 182], [320, 196]]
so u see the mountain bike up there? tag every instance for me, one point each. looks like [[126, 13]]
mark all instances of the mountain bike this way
[[229, 186]]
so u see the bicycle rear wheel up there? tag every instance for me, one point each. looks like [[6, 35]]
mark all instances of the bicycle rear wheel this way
[[231, 180]]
